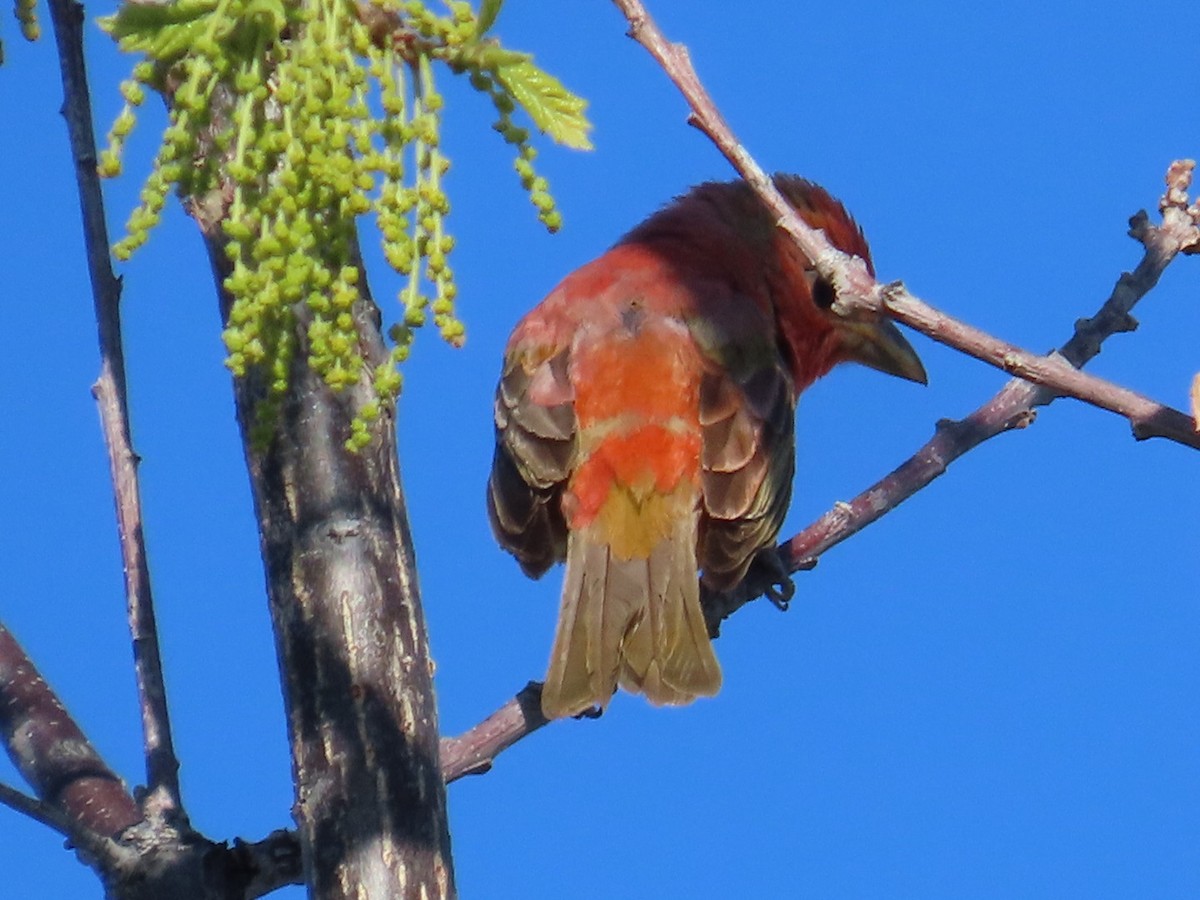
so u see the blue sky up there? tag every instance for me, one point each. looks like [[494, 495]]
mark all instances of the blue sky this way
[[991, 693]]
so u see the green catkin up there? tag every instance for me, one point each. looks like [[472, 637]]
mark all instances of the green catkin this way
[[331, 112]]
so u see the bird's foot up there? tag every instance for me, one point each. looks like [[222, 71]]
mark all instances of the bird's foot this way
[[768, 569]]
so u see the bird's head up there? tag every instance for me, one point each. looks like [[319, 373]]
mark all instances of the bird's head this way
[[722, 232], [815, 332]]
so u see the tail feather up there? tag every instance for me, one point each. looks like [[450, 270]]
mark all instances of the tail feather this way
[[578, 665], [637, 622]]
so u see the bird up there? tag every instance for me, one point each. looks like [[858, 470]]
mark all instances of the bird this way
[[644, 429]]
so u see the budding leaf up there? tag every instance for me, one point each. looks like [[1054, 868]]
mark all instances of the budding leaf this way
[[488, 10], [553, 108], [161, 31]]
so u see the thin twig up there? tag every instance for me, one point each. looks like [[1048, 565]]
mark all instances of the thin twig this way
[[848, 273], [472, 752], [162, 766], [858, 290], [1057, 374], [1148, 417], [1014, 406], [92, 845], [36, 809]]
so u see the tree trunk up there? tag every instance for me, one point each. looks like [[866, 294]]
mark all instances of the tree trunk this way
[[350, 634]]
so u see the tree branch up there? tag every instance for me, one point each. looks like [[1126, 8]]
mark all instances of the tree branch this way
[[346, 611], [847, 273], [88, 843], [162, 767], [80, 797], [1041, 379], [273, 862], [858, 290], [473, 751], [78, 794], [350, 634], [1015, 405], [35, 809]]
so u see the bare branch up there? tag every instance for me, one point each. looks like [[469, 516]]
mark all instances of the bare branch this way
[[473, 751], [1148, 417], [79, 794], [274, 861], [162, 767], [82, 799], [35, 809], [1014, 406], [856, 288], [92, 846], [847, 273]]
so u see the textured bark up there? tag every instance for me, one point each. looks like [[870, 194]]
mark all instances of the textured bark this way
[[53, 754], [474, 752], [350, 634], [138, 852], [155, 862]]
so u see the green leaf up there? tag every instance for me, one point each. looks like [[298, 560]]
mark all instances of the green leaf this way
[[553, 108], [163, 32], [488, 10]]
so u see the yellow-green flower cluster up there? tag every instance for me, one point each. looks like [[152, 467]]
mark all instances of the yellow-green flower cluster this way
[[25, 12], [296, 118]]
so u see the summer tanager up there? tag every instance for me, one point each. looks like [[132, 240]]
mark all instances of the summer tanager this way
[[644, 429]]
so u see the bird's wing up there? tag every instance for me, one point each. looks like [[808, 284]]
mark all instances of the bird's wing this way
[[748, 450], [535, 447]]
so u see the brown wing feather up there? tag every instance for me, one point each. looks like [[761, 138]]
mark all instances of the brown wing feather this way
[[748, 461], [535, 450]]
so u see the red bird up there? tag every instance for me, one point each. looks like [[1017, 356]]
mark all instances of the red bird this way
[[644, 429]]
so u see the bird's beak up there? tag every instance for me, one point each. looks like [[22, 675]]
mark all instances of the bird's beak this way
[[881, 346]]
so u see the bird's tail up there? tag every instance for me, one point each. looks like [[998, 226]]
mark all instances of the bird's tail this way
[[634, 621]]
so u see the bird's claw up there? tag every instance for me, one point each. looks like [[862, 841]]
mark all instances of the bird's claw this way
[[779, 587], [780, 593]]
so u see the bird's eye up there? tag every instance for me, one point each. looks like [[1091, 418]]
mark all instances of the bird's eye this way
[[823, 293]]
